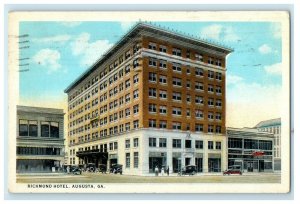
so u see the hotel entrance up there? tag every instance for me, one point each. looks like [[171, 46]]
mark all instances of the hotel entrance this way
[[158, 159]]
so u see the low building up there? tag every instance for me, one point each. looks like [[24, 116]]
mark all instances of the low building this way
[[251, 149], [40, 139], [273, 126]]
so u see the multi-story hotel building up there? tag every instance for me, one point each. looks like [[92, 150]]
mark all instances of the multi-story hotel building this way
[[156, 98], [40, 139], [273, 126]]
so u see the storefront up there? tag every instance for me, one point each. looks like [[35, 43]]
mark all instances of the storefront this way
[[157, 159]]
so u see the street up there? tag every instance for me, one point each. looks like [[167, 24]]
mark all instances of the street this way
[[113, 178]]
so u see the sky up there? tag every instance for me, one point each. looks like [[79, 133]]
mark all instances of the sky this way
[[60, 51]]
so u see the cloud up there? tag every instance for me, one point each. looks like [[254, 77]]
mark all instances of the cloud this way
[[57, 38], [125, 25], [219, 33], [265, 49], [274, 69], [48, 59], [71, 23], [89, 51], [249, 103], [233, 79], [276, 30]]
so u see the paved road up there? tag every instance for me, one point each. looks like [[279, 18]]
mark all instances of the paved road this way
[[111, 178]]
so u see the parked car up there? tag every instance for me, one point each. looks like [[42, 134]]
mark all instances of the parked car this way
[[235, 170], [91, 167], [188, 170], [102, 168], [75, 170], [116, 168]]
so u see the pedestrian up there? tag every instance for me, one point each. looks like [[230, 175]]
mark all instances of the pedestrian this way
[[68, 169], [162, 171], [168, 170], [156, 171]]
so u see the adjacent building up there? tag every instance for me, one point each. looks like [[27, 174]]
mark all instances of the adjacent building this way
[[156, 98], [40, 139], [251, 149], [273, 126]]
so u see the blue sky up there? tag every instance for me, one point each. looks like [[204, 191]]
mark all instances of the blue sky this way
[[60, 51]]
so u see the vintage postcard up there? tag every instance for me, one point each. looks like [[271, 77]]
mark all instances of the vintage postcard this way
[[149, 102]]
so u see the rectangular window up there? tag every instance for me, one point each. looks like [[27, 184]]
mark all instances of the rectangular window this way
[[210, 88], [176, 111], [152, 123], [152, 92], [152, 142], [210, 128], [163, 64], [218, 103], [136, 160], [176, 143], [188, 98], [23, 128], [199, 100], [162, 94], [218, 76], [199, 71], [188, 143], [162, 48], [111, 146], [152, 77], [45, 129], [127, 98], [210, 61], [188, 112], [127, 112], [218, 129], [210, 115], [218, 90], [163, 124], [33, 128], [127, 126], [135, 142], [162, 142], [198, 86], [176, 51], [177, 81], [199, 144], [135, 109], [210, 145], [152, 108], [176, 126], [136, 94], [127, 84], [176, 96], [152, 46], [162, 79], [127, 144], [210, 102], [136, 79], [163, 109], [199, 127], [218, 116], [136, 124], [152, 62], [176, 67], [218, 145], [199, 114], [127, 69], [127, 160], [210, 74], [188, 84]]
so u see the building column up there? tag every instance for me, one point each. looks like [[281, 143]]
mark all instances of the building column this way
[[170, 160], [205, 162]]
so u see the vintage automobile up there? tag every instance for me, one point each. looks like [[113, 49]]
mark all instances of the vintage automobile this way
[[102, 168], [188, 170], [233, 170], [116, 168], [75, 170], [91, 167]]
